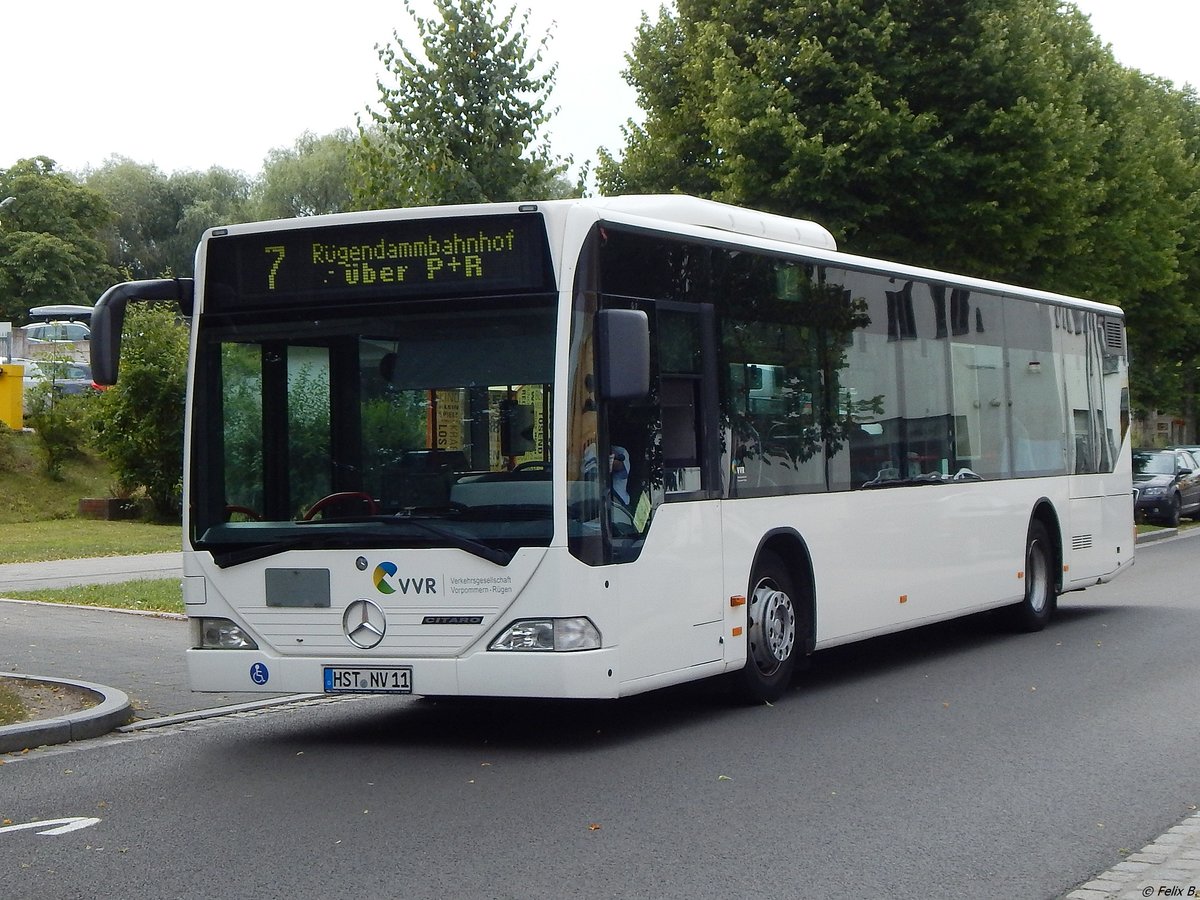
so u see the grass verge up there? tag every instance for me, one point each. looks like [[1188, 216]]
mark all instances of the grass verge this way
[[12, 710], [1184, 525], [149, 595], [31, 496], [80, 538]]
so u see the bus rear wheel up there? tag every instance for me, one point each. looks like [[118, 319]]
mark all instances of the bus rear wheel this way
[[1035, 610], [773, 632]]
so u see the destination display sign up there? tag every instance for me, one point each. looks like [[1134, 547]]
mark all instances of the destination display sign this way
[[386, 259]]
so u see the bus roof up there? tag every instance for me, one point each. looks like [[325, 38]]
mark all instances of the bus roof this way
[[686, 210], [708, 219], [670, 212]]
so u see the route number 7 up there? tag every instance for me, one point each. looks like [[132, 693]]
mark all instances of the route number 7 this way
[[280, 253]]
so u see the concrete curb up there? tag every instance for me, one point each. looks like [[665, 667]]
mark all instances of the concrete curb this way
[[112, 710], [1151, 536], [214, 712], [1166, 867]]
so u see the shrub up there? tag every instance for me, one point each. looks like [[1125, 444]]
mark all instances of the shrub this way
[[58, 420], [138, 423], [8, 450]]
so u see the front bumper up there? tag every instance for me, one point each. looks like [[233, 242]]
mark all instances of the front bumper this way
[[585, 674]]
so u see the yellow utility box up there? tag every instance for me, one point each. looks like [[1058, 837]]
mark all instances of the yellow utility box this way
[[12, 390]]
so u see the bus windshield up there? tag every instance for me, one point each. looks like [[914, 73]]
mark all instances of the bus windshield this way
[[398, 425]]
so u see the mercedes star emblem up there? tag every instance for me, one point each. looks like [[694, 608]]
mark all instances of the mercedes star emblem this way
[[364, 624]]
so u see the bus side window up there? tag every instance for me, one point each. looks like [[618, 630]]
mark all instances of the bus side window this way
[[634, 488], [681, 460]]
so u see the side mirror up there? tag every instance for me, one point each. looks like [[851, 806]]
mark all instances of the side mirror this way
[[623, 354], [109, 316]]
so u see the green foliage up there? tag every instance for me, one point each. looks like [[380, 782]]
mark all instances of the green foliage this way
[[159, 218], [992, 137], [241, 402], [145, 595], [12, 708], [462, 122], [217, 196], [308, 431], [8, 449], [308, 436], [392, 425], [312, 177], [50, 249], [37, 537], [138, 423], [58, 420], [30, 496]]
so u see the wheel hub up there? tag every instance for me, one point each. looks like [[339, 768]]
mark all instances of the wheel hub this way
[[772, 626]]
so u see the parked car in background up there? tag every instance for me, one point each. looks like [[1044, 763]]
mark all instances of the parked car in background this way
[[56, 332], [66, 376], [1166, 486]]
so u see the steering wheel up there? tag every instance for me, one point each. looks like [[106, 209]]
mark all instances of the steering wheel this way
[[231, 510], [533, 465], [341, 497]]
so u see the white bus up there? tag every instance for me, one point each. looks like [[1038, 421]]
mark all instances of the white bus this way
[[589, 448]]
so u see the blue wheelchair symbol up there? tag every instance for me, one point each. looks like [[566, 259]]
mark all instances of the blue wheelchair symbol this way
[[259, 674]]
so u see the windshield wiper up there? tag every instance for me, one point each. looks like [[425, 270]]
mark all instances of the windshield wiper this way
[[458, 541], [226, 558]]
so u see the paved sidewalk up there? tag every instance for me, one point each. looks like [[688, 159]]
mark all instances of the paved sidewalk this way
[[1168, 867], [101, 570], [140, 655]]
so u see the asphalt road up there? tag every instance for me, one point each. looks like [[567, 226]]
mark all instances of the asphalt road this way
[[141, 655], [956, 761]]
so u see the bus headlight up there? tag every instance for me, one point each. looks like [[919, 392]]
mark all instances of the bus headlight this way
[[549, 635], [222, 634]]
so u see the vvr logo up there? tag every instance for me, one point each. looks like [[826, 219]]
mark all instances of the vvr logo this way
[[388, 582]]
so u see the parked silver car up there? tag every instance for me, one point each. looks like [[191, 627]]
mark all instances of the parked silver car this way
[[56, 332]]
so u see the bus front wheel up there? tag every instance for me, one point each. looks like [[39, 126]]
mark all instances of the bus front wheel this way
[[773, 632]]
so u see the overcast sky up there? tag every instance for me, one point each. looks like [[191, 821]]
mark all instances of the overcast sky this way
[[193, 85]]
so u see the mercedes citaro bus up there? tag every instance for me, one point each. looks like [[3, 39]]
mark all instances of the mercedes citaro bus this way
[[588, 448]]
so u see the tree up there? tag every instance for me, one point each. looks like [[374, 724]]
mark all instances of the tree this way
[[1143, 231], [50, 249], [138, 423], [312, 177], [204, 200], [144, 215], [1184, 110], [993, 137], [159, 218], [462, 122], [895, 122]]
